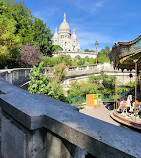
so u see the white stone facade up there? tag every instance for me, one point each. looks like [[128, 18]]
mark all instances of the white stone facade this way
[[64, 38]]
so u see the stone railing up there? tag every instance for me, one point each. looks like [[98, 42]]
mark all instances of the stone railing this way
[[37, 126], [18, 76], [15, 76], [81, 67]]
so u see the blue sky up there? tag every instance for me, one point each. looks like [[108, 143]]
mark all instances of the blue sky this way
[[107, 21]]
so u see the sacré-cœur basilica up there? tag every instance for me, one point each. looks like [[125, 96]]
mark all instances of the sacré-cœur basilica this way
[[64, 38]]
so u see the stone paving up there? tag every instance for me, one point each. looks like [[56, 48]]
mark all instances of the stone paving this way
[[101, 113]]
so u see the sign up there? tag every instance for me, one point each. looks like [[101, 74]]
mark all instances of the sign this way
[[93, 100]]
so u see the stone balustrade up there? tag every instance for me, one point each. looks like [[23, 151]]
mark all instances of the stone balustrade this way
[[19, 76], [37, 126], [81, 67]]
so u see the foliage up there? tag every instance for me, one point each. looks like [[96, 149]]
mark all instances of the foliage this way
[[101, 84], [9, 41], [18, 27], [91, 61], [41, 84], [56, 91], [103, 55], [52, 61], [87, 50], [29, 55], [57, 48], [60, 72], [81, 61], [41, 36]]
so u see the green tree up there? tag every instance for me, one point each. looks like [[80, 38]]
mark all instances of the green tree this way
[[86, 50], [9, 41], [42, 37], [57, 48], [103, 55], [28, 28]]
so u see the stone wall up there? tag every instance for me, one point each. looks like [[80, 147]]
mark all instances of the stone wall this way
[[37, 126]]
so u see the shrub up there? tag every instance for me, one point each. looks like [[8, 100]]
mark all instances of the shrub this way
[[41, 84], [60, 72]]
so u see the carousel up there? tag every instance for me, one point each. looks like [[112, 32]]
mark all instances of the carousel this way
[[127, 109]]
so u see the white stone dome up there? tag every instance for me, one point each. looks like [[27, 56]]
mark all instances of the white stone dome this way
[[64, 27]]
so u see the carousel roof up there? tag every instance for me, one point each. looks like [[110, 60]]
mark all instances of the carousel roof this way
[[124, 55]]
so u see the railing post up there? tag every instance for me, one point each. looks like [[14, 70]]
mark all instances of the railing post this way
[[9, 79], [25, 73], [17, 75]]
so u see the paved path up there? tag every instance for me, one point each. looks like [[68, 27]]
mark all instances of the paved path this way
[[101, 113]]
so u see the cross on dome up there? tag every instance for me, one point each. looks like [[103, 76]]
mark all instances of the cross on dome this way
[[64, 17]]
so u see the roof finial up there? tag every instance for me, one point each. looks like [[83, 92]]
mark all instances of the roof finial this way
[[56, 30], [73, 31], [64, 17]]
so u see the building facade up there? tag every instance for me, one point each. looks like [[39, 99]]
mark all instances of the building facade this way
[[64, 38]]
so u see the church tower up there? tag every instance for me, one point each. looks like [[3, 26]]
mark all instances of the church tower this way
[[64, 39]]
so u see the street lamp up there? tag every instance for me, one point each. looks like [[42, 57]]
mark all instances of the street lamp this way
[[96, 44]]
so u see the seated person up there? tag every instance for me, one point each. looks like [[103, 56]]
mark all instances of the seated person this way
[[123, 105], [126, 103]]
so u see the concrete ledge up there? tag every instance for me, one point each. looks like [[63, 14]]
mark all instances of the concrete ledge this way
[[100, 139]]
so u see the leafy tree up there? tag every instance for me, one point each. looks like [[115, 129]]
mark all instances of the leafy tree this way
[[107, 50], [42, 37], [57, 48], [23, 17], [103, 55], [9, 41], [24, 26], [86, 50], [29, 55]]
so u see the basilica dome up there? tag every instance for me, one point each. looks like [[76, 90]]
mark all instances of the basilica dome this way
[[64, 27], [65, 39]]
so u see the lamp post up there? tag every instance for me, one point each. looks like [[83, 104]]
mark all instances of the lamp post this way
[[96, 44]]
